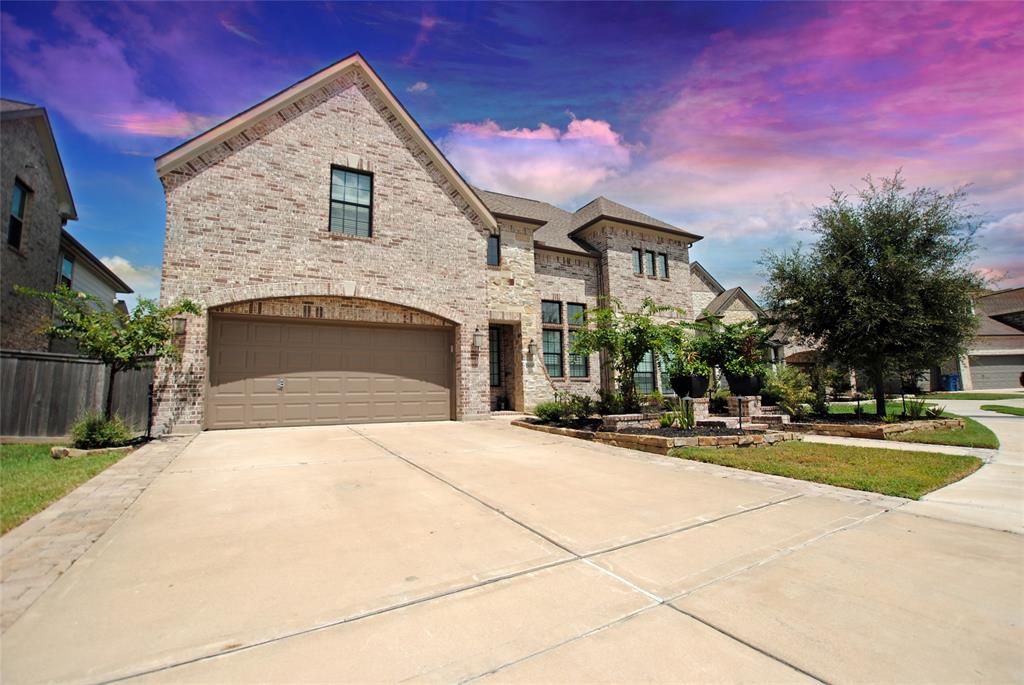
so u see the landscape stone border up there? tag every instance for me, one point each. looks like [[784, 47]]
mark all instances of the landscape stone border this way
[[39, 551], [874, 431], [657, 444]]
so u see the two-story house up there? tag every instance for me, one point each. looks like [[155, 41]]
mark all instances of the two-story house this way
[[350, 274], [38, 251]]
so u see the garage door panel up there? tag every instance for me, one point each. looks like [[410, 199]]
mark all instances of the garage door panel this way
[[333, 373], [996, 371]]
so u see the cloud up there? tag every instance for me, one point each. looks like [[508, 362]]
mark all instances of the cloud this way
[[144, 279], [88, 78], [427, 24], [238, 32], [544, 162], [418, 87]]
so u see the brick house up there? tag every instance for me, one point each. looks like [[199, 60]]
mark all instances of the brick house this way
[[38, 251], [350, 274]]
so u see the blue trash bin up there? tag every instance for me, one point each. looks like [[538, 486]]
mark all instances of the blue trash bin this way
[[953, 382]]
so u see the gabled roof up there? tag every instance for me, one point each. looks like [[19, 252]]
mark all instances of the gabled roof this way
[[208, 140], [601, 208], [698, 268], [560, 230], [70, 244], [14, 109], [721, 303]]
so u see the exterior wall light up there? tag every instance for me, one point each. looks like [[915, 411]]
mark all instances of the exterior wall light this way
[[531, 349], [478, 339], [179, 325]]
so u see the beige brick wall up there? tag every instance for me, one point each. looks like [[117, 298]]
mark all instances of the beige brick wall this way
[[616, 243], [738, 311], [253, 225], [569, 278], [35, 264]]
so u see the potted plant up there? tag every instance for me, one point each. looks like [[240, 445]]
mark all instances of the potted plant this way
[[683, 361], [738, 348]]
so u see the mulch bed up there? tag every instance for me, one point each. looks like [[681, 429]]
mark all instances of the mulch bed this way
[[576, 424]]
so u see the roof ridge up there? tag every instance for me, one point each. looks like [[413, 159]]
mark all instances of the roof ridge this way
[[518, 197]]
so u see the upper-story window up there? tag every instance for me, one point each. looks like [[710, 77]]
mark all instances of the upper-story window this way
[[494, 249], [19, 203], [550, 312], [652, 269], [351, 202], [663, 265], [576, 313], [638, 265], [67, 270]]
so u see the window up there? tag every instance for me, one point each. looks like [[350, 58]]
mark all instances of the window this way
[[663, 265], [494, 342], [579, 364], [652, 269], [494, 249], [576, 313], [638, 267], [67, 270], [553, 353], [351, 202], [19, 200], [644, 377], [550, 312], [666, 381]]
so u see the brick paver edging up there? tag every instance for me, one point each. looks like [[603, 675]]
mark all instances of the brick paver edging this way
[[36, 553]]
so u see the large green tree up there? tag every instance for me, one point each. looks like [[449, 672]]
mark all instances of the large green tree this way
[[887, 285], [123, 341]]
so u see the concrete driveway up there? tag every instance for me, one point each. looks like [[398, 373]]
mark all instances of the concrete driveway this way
[[453, 552]]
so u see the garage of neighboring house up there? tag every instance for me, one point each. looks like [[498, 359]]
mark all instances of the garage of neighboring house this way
[[996, 371], [269, 371]]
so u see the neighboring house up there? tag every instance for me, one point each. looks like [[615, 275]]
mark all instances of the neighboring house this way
[[995, 357], [38, 251], [350, 274]]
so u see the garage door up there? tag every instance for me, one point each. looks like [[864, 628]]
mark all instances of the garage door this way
[[271, 373], [996, 371]]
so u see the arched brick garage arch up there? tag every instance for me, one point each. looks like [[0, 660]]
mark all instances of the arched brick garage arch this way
[[180, 390]]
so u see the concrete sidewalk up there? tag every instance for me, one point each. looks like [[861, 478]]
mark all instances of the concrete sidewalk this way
[[993, 496]]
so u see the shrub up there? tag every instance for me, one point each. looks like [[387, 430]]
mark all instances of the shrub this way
[[891, 417], [93, 431], [577, 405], [789, 387], [610, 402], [680, 414], [819, 390], [550, 411], [935, 412], [838, 381], [915, 409], [719, 401]]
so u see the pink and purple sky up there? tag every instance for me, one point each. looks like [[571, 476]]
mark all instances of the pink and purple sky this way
[[731, 120]]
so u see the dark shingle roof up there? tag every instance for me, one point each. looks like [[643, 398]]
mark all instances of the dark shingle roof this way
[[558, 227]]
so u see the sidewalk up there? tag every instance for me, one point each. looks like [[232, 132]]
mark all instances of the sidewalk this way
[[993, 496]]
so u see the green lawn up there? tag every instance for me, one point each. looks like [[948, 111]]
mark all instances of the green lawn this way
[[973, 434], [890, 472], [1003, 409], [30, 479], [974, 396], [891, 406]]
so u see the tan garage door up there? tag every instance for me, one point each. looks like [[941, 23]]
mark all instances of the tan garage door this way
[[280, 373]]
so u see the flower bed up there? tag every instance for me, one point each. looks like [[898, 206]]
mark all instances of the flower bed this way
[[659, 444], [874, 431]]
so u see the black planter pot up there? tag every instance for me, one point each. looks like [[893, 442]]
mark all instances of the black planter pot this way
[[694, 386], [746, 386]]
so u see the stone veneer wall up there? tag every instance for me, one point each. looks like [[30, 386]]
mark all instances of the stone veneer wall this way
[[738, 311], [248, 221], [703, 293], [35, 264], [512, 298]]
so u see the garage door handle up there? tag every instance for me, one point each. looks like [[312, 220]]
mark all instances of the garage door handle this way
[[280, 384]]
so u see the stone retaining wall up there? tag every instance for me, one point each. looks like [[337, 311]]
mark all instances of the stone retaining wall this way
[[661, 445], [875, 431]]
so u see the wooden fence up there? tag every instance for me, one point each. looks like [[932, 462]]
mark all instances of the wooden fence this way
[[44, 393]]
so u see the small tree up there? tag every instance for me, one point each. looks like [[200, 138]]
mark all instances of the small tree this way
[[122, 341], [888, 284], [623, 337]]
